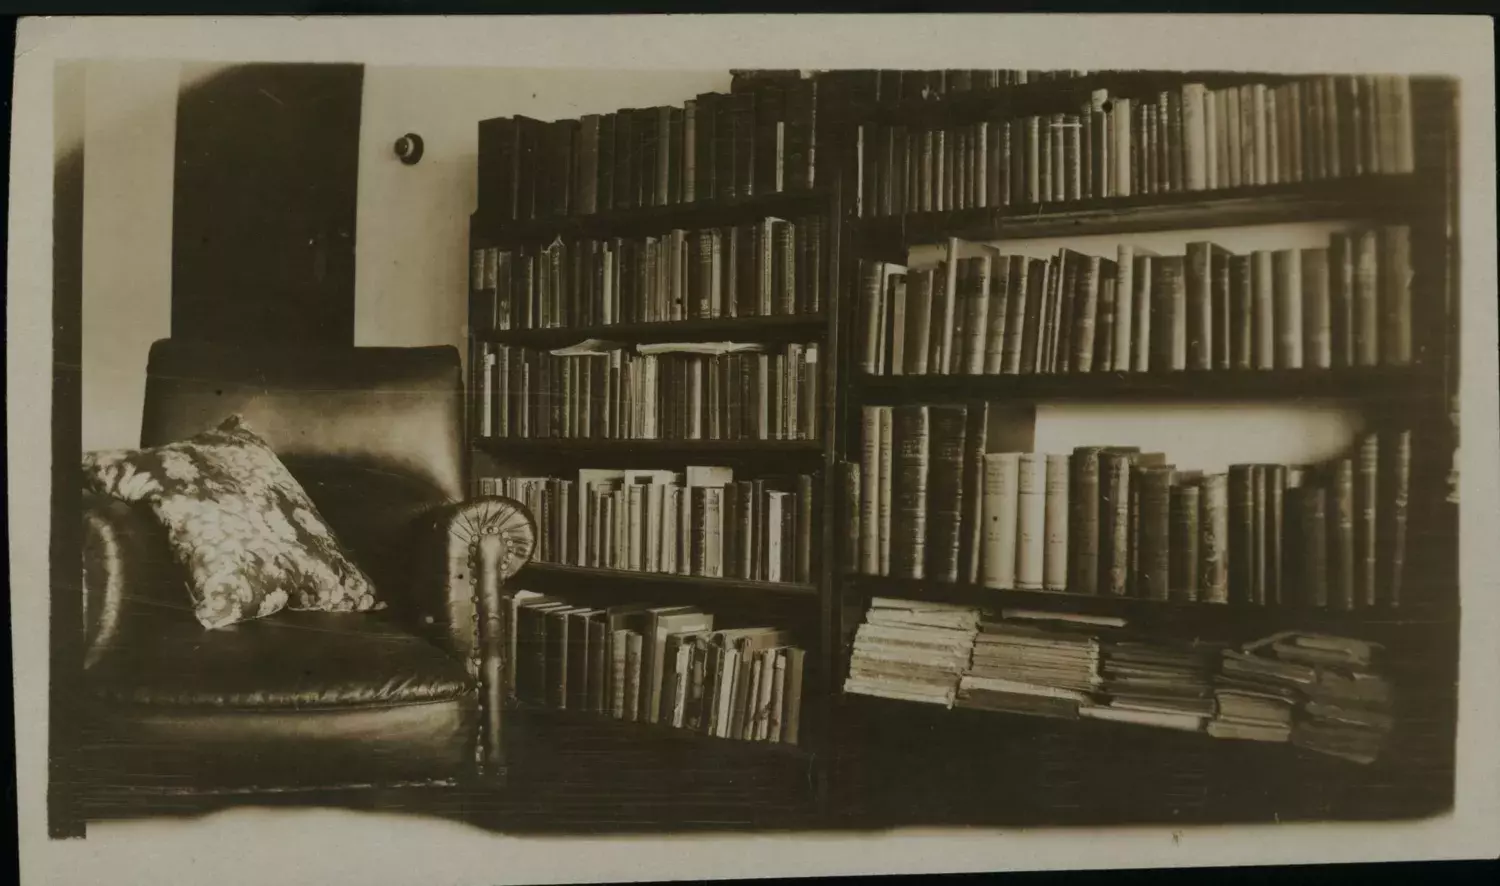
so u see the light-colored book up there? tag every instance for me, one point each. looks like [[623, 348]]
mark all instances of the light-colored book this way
[[1055, 553], [869, 490], [1031, 511], [1002, 472]]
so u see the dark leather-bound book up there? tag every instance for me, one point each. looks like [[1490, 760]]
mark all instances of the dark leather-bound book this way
[[910, 440], [995, 336], [849, 517], [915, 340], [978, 279], [1104, 326], [945, 492], [1169, 315], [531, 193], [626, 159], [1394, 492], [743, 122], [810, 265], [499, 152], [970, 526], [872, 289], [1133, 546], [1083, 520], [1036, 284], [1366, 515], [1016, 311], [1286, 269], [1068, 289], [1115, 467], [1274, 482], [802, 567], [1182, 562], [1317, 315], [1339, 505], [1085, 317], [1367, 317], [1154, 580], [706, 116], [1341, 285], [604, 184], [1258, 543], [1213, 539], [1307, 544], [1394, 299], [1241, 313], [564, 136], [1203, 258]]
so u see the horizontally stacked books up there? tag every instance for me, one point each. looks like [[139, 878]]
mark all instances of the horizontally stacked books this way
[[1188, 138], [655, 664], [1115, 521], [912, 650], [984, 312], [700, 521], [1320, 692], [1314, 690], [756, 140], [669, 391], [770, 267]]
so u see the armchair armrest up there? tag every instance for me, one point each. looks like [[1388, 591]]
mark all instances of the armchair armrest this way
[[485, 541], [128, 570]]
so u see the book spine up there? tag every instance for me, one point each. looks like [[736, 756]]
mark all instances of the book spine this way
[[1114, 518], [945, 500], [851, 517], [1394, 493], [1274, 483], [1200, 337], [886, 456], [909, 511], [1366, 516], [1031, 514], [1286, 267], [1169, 320], [1124, 309], [803, 565], [1001, 503], [1083, 521], [1085, 315], [1340, 534], [1394, 276], [1182, 542], [1366, 299], [997, 312], [1263, 310], [1317, 332], [1308, 559], [1341, 299], [1213, 539], [976, 320], [1155, 532], [1143, 282]]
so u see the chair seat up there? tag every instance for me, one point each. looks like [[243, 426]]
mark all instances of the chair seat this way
[[291, 660]]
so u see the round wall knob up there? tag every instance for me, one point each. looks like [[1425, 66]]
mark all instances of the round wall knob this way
[[409, 148]]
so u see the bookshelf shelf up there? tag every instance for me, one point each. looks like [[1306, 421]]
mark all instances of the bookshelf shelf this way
[[773, 328], [608, 730], [490, 231], [553, 572], [1370, 197], [1394, 384], [586, 448]]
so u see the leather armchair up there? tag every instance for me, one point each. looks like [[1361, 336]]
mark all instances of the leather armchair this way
[[308, 700]]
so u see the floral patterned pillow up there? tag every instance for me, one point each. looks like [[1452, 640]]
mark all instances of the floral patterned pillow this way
[[251, 540]]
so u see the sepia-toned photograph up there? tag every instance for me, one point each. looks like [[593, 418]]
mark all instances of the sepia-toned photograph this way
[[805, 450]]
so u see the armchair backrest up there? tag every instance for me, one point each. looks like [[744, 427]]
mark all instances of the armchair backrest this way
[[375, 435]]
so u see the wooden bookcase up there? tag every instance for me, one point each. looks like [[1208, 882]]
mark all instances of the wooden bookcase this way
[[971, 767], [871, 762], [576, 769]]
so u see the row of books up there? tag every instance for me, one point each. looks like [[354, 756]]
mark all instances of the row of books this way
[[716, 146], [655, 664], [1190, 138], [760, 269], [1346, 304], [1115, 521], [1318, 691], [666, 392], [888, 85], [699, 521]]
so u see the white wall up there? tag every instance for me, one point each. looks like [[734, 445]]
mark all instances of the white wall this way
[[1196, 436], [129, 137], [411, 254], [128, 133]]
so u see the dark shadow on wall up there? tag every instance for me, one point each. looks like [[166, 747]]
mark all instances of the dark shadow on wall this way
[[264, 205]]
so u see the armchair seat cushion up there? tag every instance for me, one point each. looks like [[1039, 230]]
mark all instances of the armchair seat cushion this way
[[293, 660], [294, 701]]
